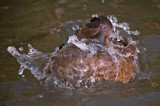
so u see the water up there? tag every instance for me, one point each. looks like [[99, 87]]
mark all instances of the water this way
[[38, 63], [34, 61], [33, 22]]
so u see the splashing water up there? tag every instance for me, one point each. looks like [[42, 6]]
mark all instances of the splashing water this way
[[122, 25], [93, 47], [35, 61]]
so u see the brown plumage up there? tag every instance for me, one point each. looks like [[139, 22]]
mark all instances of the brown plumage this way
[[74, 67]]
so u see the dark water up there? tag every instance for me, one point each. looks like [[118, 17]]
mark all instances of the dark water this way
[[43, 23]]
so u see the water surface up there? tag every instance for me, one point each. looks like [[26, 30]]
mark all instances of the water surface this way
[[46, 24]]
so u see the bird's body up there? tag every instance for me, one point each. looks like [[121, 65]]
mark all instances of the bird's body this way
[[75, 67]]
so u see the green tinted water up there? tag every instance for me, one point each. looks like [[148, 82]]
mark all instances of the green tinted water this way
[[43, 24]]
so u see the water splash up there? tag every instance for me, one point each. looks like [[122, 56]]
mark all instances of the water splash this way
[[93, 47], [123, 25], [76, 27], [95, 15], [34, 61]]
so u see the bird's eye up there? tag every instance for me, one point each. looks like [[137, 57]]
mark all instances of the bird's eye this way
[[95, 24]]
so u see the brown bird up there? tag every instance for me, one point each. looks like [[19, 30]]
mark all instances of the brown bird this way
[[73, 67], [99, 28]]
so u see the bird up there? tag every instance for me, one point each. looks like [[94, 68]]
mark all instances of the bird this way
[[102, 58]]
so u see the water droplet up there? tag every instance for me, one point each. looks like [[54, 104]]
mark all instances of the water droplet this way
[[136, 32], [22, 68], [95, 15], [21, 49], [76, 27], [58, 30], [84, 7], [13, 51], [79, 81], [102, 1], [40, 96], [92, 79]]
